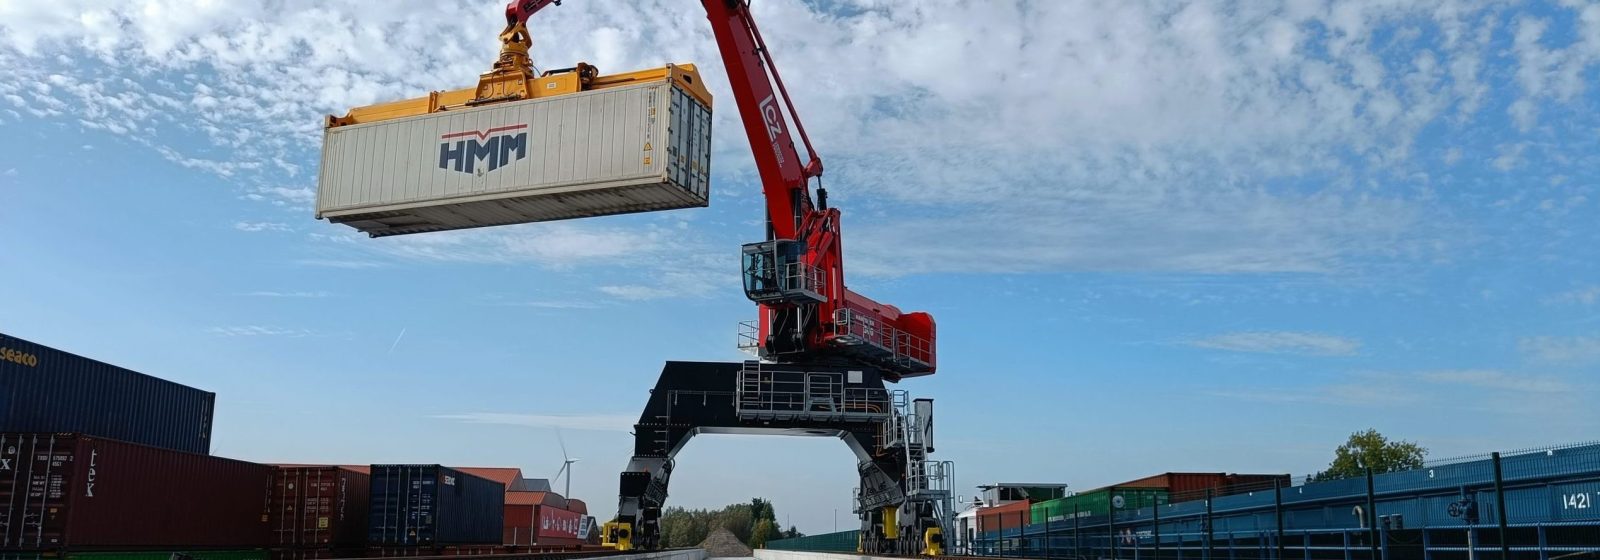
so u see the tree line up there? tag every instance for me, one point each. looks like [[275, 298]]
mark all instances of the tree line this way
[[754, 524]]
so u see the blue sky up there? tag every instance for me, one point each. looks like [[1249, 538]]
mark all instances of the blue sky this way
[[1171, 236]]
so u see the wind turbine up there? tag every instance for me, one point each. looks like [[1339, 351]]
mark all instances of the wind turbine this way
[[566, 464]]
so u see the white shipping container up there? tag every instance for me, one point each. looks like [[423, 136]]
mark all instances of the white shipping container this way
[[611, 151]]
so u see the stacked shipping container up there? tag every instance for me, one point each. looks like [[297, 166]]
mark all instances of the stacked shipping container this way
[[532, 520], [319, 508], [432, 506], [1184, 487], [63, 492], [1095, 503], [1007, 516], [47, 390]]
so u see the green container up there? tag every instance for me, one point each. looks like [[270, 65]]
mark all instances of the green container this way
[[1096, 503], [842, 541], [154, 555]]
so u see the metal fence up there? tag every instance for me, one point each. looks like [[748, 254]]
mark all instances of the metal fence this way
[[842, 541], [1536, 504]]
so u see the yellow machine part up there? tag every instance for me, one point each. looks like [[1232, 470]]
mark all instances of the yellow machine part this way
[[891, 525], [617, 535], [511, 78], [578, 79], [933, 542]]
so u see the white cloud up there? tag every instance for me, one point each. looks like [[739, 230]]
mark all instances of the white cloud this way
[[1344, 394], [350, 264], [261, 226], [300, 198], [1587, 295], [1207, 137], [1498, 380], [1562, 349], [12, 172], [1510, 156], [1280, 342], [272, 294], [258, 330], [660, 262], [550, 304], [595, 422], [556, 244]]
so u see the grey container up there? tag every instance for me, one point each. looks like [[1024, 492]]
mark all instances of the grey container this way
[[47, 390], [619, 150]]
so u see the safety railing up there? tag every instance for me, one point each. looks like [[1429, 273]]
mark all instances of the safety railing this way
[[864, 333], [749, 341], [773, 392]]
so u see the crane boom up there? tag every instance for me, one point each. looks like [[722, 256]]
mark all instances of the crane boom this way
[[795, 276]]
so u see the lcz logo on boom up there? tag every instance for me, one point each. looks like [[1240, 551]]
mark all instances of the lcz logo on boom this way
[[493, 148]]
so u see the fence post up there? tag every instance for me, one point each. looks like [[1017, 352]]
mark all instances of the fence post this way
[[1277, 508], [1022, 532], [1155, 529], [1210, 530], [1500, 507], [1372, 516], [1077, 547], [1111, 525], [1047, 533]]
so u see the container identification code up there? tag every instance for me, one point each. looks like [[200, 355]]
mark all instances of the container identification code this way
[[18, 357]]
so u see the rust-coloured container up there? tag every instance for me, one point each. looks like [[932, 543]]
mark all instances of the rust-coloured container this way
[[70, 492], [1183, 487], [319, 507], [1006, 516]]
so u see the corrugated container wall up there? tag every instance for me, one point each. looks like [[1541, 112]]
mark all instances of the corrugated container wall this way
[[431, 505], [1185, 487], [1096, 504], [47, 390], [319, 507], [72, 492], [1005, 516], [611, 151], [558, 526]]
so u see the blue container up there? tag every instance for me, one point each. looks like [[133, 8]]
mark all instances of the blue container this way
[[431, 505], [46, 390]]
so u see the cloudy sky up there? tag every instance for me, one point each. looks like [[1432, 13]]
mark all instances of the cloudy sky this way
[[1156, 235]]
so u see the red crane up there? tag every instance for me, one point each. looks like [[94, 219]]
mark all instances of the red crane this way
[[796, 276]]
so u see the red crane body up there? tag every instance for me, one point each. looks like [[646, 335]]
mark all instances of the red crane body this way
[[796, 277]]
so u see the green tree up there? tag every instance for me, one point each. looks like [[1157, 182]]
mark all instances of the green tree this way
[[1371, 450], [764, 531]]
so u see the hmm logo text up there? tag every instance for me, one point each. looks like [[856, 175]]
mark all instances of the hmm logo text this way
[[462, 151]]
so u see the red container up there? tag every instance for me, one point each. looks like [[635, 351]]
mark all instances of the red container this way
[[64, 491], [319, 507], [1007, 516], [1183, 487], [519, 529], [539, 519], [558, 526]]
